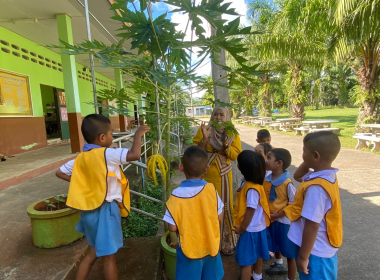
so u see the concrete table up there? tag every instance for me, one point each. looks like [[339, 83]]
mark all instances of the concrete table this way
[[265, 120], [320, 123], [288, 124]]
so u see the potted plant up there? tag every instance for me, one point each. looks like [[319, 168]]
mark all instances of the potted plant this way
[[53, 223], [187, 136], [170, 256]]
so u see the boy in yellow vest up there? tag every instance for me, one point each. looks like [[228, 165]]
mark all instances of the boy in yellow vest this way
[[280, 191], [251, 216], [316, 213], [194, 210], [99, 189]]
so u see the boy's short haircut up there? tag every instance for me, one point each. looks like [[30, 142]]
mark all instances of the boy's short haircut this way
[[326, 143], [263, 133], [283, 155], [252, 166], [194, 161], [267, 148], [93, 125]]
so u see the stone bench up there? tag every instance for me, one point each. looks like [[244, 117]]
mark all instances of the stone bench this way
[[275, 126], [336, 130], [289, 126], [303, 129], [364, 139]]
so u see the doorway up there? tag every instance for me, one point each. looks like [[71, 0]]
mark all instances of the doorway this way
[[50, 109]]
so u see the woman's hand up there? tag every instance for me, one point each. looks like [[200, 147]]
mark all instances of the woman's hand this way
[[225, 143], [205, 131]]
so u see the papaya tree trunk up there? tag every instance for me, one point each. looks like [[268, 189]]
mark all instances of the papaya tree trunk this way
[[296, 92], [167, 148]]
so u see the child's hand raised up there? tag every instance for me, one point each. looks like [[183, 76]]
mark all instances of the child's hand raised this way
[[142, 130]]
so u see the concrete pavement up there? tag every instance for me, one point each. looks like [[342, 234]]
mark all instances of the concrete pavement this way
[[360, 194]]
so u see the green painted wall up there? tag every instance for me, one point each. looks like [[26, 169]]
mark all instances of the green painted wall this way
[[41, 74]]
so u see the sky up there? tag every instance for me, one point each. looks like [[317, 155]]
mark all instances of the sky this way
[[159, 8]]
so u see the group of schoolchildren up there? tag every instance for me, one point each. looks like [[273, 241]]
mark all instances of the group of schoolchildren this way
[[303, 225]]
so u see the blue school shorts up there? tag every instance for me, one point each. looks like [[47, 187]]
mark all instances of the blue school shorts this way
[[102, 228], [252, 245], [207, 268], [278, 240], [320, 268]]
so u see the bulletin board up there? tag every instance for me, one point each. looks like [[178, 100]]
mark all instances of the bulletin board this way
[[14, 94]]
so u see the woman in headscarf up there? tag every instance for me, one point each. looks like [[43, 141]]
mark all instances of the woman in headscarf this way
[[221, 149]]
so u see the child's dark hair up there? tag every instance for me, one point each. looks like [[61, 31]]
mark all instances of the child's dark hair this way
[[252, 166], [267, 148], [326, 143], [93, 125], [263, 133], [282, 155], [194, 161]]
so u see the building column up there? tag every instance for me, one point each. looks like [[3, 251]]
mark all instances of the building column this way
[[65, 33], [119, 86]]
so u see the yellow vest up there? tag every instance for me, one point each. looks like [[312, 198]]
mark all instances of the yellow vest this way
[[333, 216], [282, 199], [88, 184], [241, 203], [197, 221]]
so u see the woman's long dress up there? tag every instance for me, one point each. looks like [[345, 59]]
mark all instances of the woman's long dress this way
[[220, 174]]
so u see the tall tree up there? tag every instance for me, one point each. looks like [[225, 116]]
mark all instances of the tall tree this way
[[289, 41], [356, 42]]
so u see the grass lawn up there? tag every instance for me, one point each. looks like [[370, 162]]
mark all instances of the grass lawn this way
[[345, 116]]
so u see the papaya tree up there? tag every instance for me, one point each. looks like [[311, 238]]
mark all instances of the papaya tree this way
[[158, 60]]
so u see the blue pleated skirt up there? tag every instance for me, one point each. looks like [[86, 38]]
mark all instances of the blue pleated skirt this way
[[278, 240], [252, 245], [102, 228]]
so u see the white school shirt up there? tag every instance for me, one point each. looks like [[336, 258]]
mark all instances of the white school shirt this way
[[316, 203], [257, 223], [114, 158], [189, 192]]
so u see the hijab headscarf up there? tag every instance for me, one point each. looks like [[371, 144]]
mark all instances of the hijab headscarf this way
[[215, 138]]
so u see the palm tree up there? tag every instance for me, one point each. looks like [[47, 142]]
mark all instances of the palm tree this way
[[261, 14], [289, 41], [356, 42]]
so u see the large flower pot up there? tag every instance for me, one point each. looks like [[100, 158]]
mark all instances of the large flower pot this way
[[170, 257], [52, 229], [188, 141]]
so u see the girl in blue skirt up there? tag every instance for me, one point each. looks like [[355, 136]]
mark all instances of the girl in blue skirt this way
[[252, 214]]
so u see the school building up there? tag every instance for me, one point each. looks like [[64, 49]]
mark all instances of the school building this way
[[44, 94], [198, 110]]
